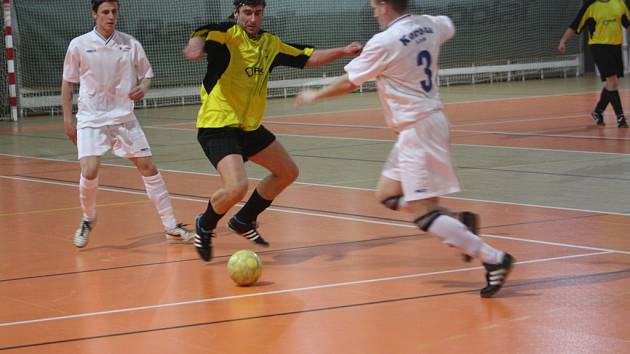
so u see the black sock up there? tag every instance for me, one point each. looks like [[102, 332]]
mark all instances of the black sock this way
[[254, 206], [615, 100], [604, 98], [210, 218]]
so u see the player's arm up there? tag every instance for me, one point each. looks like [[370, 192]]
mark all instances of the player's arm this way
[[194, 50], [568, 34], [341, 86], [576, 26], [69, 123], [325, 56], [137, 92], [196, 47]]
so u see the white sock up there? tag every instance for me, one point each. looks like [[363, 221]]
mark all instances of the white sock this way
[[157, 192], [490, 255], [87, 196], [454, 233]]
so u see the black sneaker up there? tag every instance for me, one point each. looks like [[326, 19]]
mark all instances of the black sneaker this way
[[471, 220], [203, 240], [598, 117], [621, 121], [496, 275], [247, 230]]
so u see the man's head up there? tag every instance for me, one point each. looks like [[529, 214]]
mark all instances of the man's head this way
[[105, 14], [249, 15], [386, 11]]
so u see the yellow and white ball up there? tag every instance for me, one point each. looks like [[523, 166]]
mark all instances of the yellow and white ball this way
[[244, 267]]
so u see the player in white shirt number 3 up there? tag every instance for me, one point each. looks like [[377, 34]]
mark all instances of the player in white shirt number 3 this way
[[403, 59]]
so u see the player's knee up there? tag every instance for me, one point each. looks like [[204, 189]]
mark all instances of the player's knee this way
[[425, 221], [292, 173], [393, 203], [236, 191], [89, 173]]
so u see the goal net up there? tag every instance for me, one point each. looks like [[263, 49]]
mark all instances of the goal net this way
[[495, 40]]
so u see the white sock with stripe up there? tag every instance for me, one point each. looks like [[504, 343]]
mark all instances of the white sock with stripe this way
[[157, 192], [87, 196], [454, 233]]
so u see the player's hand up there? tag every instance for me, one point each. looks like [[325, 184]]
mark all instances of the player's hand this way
[[194, 50], [305, 97], [71, 131], [353, 48], [136, 93], [562, 47]]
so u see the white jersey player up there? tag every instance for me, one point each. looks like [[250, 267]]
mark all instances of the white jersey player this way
[[403, 59], [113, 72]]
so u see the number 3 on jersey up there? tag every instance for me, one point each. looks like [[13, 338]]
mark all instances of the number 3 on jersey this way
[[424, 60]]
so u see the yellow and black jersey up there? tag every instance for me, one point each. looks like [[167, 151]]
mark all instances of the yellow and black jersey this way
[[604, 21], [234, 91]]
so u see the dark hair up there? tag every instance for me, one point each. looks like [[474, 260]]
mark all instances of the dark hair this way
[[97, 3], [239, 3], [399, 5]]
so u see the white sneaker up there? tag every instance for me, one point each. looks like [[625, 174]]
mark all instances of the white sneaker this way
[[180, 234], [82, 235]]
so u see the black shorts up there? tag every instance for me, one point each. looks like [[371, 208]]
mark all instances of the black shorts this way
[[608, 59], [218, 143]]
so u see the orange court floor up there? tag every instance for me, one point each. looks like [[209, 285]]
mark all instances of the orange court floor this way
[[343, 274]]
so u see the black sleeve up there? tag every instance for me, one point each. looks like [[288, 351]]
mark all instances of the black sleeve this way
[[576, 22], [294, 61], [204, 30]]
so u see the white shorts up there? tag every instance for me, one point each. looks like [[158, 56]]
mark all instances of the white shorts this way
[[421, 160], [125, 140]]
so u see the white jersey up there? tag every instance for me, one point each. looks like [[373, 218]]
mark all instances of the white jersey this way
[[106, 69], [404, 61]]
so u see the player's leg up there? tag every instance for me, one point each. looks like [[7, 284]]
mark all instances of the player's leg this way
[[131, 143], [609, 61], [421, 163], [612, 85], [262, 148], [222, 148], [92, 143]]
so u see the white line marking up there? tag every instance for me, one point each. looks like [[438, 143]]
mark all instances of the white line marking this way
[[322, 185], [548, 243], [276, 292], [336, 217], [541, 134]]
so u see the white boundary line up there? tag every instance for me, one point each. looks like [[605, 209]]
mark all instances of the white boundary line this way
[[337, 217], [327, 185], [278, 292], [445, 103], [599, 251]]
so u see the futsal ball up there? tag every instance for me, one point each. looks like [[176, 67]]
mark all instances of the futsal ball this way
[[244, 267]]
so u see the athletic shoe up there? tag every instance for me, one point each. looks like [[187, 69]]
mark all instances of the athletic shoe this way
[[471, 220], [203, 240], [621, 122], [180, 234], [599, 118], [496, 275], [82, 235], [247, 230]]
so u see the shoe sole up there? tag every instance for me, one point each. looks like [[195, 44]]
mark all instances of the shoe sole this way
[[507, 275], [198, 235], [178, 239], [266, 244]]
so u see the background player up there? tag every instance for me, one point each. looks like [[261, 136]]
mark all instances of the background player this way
[[113, 72], [604, 22]]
